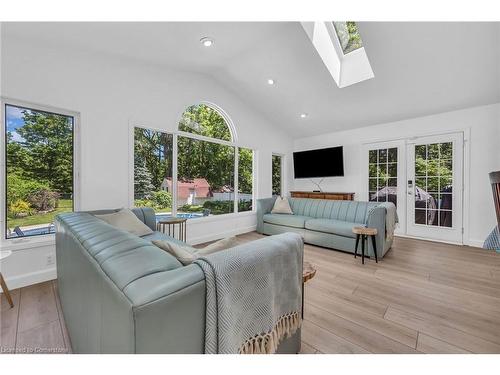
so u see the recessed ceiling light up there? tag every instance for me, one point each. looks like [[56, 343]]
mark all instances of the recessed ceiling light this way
[[303, 115], [270, 81], [207, 42]]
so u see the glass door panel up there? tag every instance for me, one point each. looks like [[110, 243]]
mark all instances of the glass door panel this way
[[435, 187]]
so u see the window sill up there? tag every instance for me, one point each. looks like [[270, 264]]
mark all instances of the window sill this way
[[19, 244], [49, 240], [220, 217]]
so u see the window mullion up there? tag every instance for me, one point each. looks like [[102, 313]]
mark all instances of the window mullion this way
[[174, 175], [236, 178]]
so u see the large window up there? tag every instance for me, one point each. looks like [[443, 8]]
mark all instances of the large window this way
[[383, 175], [153, 165], [39, 169], [214, 175], [205, 177], [277, 175]]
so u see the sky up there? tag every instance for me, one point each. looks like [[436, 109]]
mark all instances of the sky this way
[[14, 120]]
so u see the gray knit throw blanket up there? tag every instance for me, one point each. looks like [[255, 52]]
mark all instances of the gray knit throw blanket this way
[[253, 295]]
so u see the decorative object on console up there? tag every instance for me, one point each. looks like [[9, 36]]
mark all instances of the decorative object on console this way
[[323, 195], [318, 185], [187, 254], [282, 206], [492, 242]]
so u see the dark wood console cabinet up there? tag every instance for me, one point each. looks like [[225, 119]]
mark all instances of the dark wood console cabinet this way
[[323, 195]]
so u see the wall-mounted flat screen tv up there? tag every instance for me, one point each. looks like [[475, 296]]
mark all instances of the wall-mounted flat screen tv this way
[[325, 162]]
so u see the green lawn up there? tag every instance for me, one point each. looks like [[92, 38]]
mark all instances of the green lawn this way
[[65, 205]]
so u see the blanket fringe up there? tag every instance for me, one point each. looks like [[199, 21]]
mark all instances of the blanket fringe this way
[[267, 343]]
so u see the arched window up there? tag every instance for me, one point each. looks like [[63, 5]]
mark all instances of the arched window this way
[[202, 119], [214, 174]]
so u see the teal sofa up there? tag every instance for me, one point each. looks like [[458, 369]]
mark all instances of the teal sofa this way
[[326, 223], [121, 294]]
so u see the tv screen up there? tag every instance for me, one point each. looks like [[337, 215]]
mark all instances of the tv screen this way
[[326, 162]]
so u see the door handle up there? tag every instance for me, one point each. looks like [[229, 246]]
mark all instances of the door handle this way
[[410, 187]]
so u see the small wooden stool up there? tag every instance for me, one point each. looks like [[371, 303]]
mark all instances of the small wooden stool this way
[[308, 272], [364, 233]]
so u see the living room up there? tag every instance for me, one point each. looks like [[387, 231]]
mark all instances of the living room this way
[[273, 187]]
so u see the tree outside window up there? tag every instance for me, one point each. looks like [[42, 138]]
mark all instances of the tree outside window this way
[[277, 175], [39, 169]]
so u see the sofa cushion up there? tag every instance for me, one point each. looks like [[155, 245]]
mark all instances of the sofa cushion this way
[[294, 221], [351, 211], [282, 206], [126, 220], [338, 227]]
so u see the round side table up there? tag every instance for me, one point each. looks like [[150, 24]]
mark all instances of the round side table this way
[[364, 233], [3, 255], [168, 224]]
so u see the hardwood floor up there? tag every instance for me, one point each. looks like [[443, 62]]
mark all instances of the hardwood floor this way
[[422, 297], [35, 324]]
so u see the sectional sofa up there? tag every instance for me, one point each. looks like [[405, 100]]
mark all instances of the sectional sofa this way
[[327, 223], [121, 294]]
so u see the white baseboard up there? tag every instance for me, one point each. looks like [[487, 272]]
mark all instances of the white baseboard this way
[[31, 278], [470, 242], [476, 243], [219, 235]]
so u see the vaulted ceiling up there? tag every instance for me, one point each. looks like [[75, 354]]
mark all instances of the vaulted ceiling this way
[[420, 68]]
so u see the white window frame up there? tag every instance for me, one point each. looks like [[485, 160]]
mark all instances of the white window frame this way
[[43, 239], [179, 133]]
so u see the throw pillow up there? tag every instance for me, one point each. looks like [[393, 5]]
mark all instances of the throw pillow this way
[[282, 206], [126, 220], [187, 254]]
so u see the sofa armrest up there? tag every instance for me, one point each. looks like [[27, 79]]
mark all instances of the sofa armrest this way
[[169, 311], [264, 206], [376, 219]]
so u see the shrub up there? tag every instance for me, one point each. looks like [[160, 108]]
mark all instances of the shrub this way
[[190, 208], [18, 208], [244, 205], [219, 207], [43, 200], [144, 203], [20, 187], [162, 199]]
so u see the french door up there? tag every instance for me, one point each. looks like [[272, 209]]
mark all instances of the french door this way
[[434, 187]]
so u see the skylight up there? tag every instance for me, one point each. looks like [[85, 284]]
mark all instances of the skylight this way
[[348, 35], [339, 46]]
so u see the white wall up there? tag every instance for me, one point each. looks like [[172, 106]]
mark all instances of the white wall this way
[[110, 94], [484, 125]]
